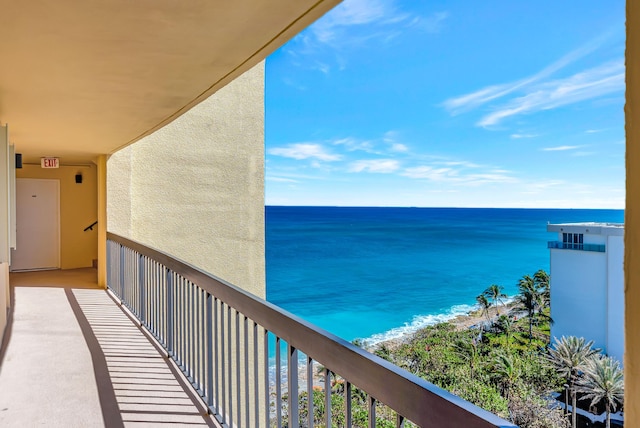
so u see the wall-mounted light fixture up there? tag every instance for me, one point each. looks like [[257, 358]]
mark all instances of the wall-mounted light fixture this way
[[79, 178]]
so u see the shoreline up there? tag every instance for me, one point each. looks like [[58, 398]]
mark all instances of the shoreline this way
[[461, 322], [465, 321]]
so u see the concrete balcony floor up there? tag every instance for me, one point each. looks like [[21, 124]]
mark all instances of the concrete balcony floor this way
[[73, 358]]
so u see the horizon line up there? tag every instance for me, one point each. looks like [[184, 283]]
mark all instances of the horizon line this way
[[439, 207]]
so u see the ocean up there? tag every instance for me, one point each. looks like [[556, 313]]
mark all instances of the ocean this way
[[379, 273]]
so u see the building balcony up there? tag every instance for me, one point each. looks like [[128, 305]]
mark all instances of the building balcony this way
[[170, 345], [598, 248]]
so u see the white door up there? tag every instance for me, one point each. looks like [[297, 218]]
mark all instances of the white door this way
[[37, 225]]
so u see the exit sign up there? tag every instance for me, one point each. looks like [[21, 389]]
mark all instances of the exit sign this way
[[50, 162]]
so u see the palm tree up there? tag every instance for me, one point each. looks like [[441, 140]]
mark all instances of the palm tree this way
[[541, 280], [467, 350], [507, 370], [527, 300], [494, 293], [506, 325], [568, 356], [484, 304], [530, 300], [603, 380]]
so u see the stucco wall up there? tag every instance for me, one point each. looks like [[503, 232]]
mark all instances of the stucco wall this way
[[195, 188], [78, 209], [578, 295]]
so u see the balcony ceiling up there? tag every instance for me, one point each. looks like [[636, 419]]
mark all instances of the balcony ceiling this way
[[79, 78]]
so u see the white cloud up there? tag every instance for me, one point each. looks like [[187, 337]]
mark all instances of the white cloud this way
[[431, 24], [465, 164], [381, 166], [290, 82], [482, 96], [301, 151], [518, 136], [582, 154], [354, 24], [560, 148], [397, 147], [487, 178], [352, 144], [280, 179], [536, 92], [349, 13], [592, 83], [458, 174], [541, 185], [390, 137], [430, 173], [324, 68], [387, 146]]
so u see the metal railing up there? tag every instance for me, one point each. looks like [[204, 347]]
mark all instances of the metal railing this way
[[598, 248], [230, 345]]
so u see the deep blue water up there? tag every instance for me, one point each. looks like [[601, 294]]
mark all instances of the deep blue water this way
[[378, 272]]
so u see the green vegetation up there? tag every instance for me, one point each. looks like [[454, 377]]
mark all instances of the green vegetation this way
[[568, 356], [502, 370], [504, 365], [602, 380]]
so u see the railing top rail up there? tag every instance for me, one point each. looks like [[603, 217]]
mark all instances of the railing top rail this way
[[599, 248], [411, 396]]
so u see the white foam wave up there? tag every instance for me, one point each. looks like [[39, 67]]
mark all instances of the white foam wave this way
[[421, 321]]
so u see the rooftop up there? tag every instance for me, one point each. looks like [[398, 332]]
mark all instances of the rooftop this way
[[593, 228]]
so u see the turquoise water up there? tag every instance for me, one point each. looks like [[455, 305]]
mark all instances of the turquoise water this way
[[376, 273]]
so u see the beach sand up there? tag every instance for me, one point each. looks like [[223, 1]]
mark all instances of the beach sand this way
[[461, 322]]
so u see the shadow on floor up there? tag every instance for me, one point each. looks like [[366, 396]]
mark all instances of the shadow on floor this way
[[133, 377], [137, 386]]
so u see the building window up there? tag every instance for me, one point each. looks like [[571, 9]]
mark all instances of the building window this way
[[573, 241]]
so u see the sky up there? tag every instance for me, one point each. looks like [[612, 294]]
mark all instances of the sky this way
[[450, 104]]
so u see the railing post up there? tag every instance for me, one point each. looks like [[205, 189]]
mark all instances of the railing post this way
[[247, 399], [121, 284], [256, 373], [230, 364], [109, 244], [238, 380], [327, 397], [347, 404], [278, 376], [216, 359], [292, 377], [169, 282], [141, 289], [372, 411], [310, 409], [209, 347], [223, 370], [267, 399], [399, 421]]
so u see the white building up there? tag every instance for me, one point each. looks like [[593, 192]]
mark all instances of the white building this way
[[587, 284]]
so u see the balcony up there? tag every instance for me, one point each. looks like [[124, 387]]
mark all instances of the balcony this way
[[169, 344], [598, 248]]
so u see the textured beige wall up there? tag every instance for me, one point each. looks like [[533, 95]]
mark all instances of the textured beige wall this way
[[195, 188], [78, 209]]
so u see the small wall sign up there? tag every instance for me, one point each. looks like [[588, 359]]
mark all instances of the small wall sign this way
[[50, 162]]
